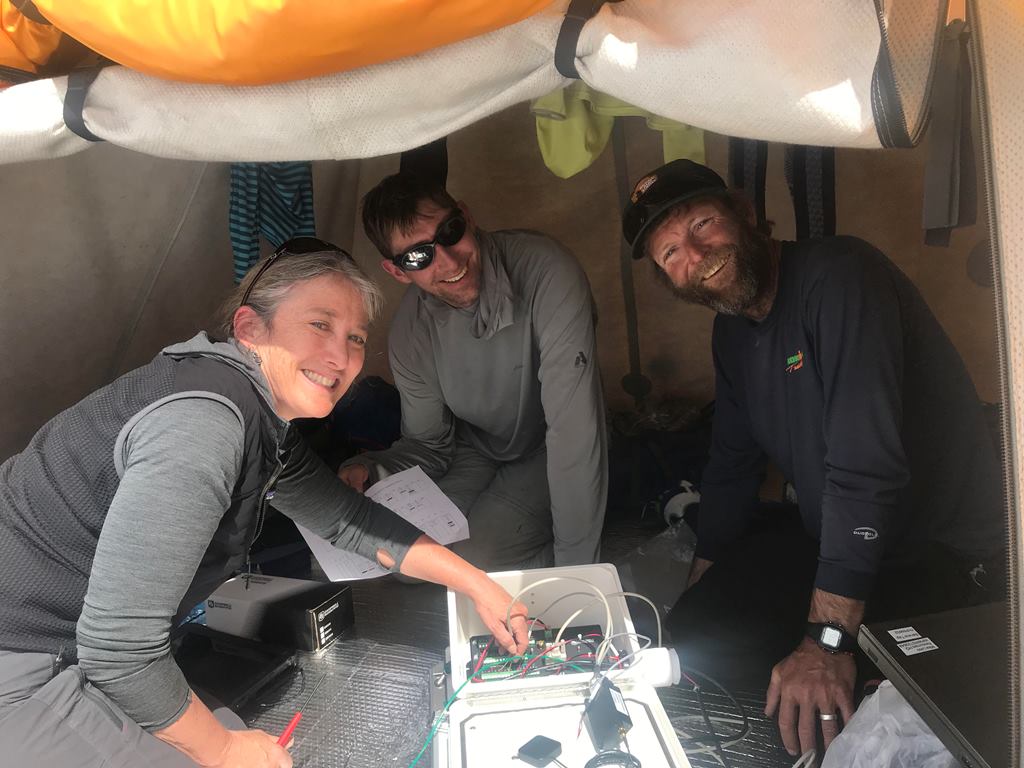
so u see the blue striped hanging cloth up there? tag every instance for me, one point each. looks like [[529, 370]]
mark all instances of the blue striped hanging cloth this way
[[270, 199]]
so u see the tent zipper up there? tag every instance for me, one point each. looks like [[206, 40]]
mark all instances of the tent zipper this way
[[896, 100], [975, 54]]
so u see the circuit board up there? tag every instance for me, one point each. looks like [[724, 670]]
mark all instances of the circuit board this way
[[575, 652]]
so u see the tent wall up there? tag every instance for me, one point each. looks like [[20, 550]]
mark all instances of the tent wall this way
[[108, 256], [496, 168], [113, 254], [998, 49]]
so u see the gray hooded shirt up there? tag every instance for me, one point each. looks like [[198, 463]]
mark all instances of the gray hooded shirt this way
[[130, 487], [515, 373]]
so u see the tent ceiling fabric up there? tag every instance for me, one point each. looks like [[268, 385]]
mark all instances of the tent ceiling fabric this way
[[765, 69], [252, 42]]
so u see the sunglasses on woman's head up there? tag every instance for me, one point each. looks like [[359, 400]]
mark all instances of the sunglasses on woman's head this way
[[294, 247], [420, 256]]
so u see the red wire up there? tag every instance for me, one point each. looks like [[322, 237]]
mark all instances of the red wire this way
[[483, 656], [546, 650]]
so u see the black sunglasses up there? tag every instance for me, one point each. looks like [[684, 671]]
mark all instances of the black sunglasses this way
[[294, 247], [420, 256]]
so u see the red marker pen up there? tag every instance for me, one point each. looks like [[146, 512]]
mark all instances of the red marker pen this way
[[286, 734]]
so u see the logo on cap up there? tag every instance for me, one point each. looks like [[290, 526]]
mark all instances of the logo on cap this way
[[642, 186]]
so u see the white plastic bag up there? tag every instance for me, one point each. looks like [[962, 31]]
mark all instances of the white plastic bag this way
[[885, 732]]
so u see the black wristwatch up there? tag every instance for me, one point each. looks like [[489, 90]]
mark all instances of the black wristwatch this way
[[832, 637]]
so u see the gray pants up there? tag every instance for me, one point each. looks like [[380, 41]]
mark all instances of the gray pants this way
[[62, 721], [508, 506]]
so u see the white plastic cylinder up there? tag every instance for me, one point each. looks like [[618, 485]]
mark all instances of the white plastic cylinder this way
[[656, 666]]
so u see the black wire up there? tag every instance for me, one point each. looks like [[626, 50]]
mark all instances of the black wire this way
[[613, 757], [740, 734], [278, 687], [711, 728], [629, 752]]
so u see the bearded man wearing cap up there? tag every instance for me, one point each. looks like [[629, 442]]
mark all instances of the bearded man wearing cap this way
[[829, 364], [493, 352]]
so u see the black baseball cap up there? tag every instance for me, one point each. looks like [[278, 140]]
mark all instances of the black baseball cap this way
[[659, 190]]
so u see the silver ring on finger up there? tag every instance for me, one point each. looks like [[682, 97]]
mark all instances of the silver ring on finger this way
[[826, 717]]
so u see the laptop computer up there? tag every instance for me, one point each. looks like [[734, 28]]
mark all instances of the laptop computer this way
[[953, 669]]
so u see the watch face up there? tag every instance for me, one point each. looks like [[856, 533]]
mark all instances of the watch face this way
[[831, 637]]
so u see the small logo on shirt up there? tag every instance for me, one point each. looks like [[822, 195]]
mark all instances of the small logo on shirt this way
[[868, 534], [581, 361], [795, 362]]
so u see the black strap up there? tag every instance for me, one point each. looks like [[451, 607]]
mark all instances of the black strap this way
[[950, 184], [811, 176], [748, 163], [634, 383], [13, 76], [578, 14], [29, 10], [74, 101], [886, 104]]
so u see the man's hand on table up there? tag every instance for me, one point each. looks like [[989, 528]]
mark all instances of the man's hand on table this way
[[808, 683]]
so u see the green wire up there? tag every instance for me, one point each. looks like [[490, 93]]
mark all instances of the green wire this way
[[454, 696], [437, 723], [447, 704]]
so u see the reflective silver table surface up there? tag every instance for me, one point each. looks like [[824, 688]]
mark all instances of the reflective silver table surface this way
[[374, 706]]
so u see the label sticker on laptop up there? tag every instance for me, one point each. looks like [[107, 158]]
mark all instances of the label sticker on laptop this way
[[913, 647], [902, 634]]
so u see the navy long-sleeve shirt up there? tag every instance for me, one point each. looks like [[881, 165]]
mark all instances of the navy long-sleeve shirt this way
[[851, 387]]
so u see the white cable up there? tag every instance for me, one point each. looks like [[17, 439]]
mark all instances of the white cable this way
[[561, 630], [712, 751], [548, 580], [709, 749], [806, 760], [560, 598], [657, 616], [603, 597], [602, 649], [623, 659]]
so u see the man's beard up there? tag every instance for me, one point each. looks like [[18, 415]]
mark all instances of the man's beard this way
[[751, 257]]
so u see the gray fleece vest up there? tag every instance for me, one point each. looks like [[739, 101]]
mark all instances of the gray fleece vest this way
[[55, 494]]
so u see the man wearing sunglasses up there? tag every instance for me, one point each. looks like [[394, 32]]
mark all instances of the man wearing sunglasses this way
[[829, 363], [493, 352]]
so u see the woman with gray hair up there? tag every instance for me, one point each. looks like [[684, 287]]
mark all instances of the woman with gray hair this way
[[132, 506]]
